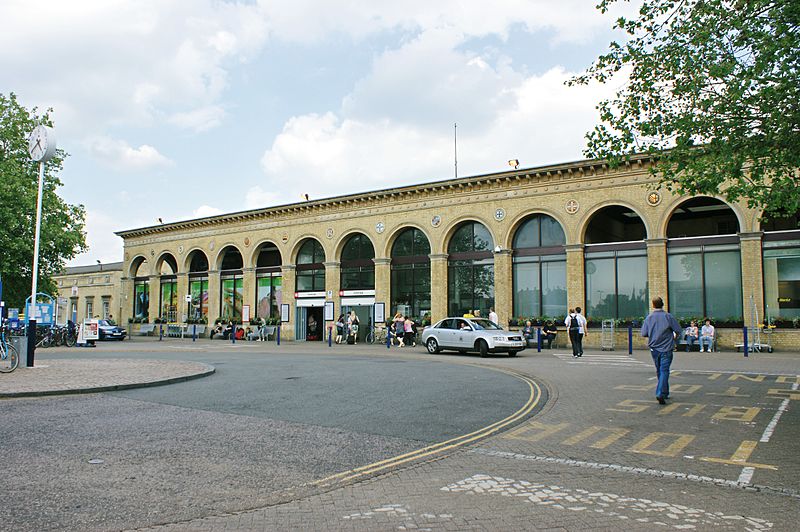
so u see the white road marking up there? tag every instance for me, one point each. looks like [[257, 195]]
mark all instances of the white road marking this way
[[624, 508], [601, 360], [746, 476]]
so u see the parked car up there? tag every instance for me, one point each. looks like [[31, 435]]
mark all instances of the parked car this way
[[108, 330], [473, 334]]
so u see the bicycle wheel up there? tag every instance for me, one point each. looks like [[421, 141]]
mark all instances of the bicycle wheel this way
[[9, 359], [69, 340], [370, 339]]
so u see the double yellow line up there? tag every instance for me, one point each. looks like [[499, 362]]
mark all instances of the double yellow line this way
[[439, 448]]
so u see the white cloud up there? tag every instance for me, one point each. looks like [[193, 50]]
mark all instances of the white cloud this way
[[206, 210], [120, 155], [201, 119], [103, 244], [257, 198]]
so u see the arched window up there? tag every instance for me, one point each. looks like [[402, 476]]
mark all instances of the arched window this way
[[310, 268], [141, 289], [168, 303], [269, 282], [358, 268], [539, 268], [231, 284], [198, 286], [703, 260], [411, 274], [616, 265], [470, 270], [781, 248]]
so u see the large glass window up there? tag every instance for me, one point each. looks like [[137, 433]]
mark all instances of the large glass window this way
[[269, 295], [705, 281], [310, 270], [782, 279], [169, 300], [540, 268], [141, 298], [198, 288], [411, 274], [616, 284], [470, 272], [358, 268], [232, 292]]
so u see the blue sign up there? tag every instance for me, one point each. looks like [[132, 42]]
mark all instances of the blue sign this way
[[13, 318], [42, 313]]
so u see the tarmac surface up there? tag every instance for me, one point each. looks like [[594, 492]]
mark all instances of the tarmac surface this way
[[585, 445]]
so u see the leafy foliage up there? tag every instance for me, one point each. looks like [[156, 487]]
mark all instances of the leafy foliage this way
[[62, 230], [713, 93]]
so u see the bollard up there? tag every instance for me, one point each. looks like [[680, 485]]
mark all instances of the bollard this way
[[160, 332], [630, 339], [194, 332], [745, 347], [278, 334], [330, 338], [538, 339], [388, 338]]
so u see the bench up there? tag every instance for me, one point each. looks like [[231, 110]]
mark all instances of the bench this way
[[192, 329], [682, 343], [147, 329]]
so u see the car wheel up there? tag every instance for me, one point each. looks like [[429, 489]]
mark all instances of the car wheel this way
[[512, 353], [483, 348], [432, 345]]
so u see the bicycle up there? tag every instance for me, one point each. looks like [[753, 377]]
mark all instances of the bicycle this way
[[370, 338], [9, 358]]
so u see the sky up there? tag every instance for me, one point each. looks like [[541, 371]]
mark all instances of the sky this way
[[179, 109]]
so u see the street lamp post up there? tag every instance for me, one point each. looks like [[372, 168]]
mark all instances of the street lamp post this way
[[42, 148]]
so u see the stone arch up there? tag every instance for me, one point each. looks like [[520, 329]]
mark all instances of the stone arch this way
[[397, 231], [521, 219], [223, 250], [587, 219], [166, 257], [786, 223], [299, 244], [451, 228], [257, 249], [702, 201], [345, 238], [190, 256], [136, 265]]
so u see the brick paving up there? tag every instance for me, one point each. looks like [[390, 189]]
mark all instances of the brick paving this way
[[53, 377]]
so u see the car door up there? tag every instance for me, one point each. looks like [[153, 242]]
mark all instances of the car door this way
[[464, 335], [446, 334]]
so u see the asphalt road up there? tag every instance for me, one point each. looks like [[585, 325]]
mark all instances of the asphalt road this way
[[256, 433]]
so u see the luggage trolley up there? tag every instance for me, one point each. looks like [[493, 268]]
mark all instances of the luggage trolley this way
[[607, 336], [754, 332]]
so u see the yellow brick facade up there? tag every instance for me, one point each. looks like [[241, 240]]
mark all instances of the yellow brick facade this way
[[92, 291]]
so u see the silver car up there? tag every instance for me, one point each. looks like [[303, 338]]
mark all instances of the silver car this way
[[472, 334]]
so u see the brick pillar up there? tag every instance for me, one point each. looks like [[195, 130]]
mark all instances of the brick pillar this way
[[576, 296], [249, 291], [333, 283], [657, 269], [288, 287], [154, 305], [438, 286], [213, 296], [183, 289], [503, 286], [752, 277], [126, 301], [383, 284]]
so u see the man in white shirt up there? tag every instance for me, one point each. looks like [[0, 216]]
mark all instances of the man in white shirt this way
[[493, 316], [576, 326], [707, 336]]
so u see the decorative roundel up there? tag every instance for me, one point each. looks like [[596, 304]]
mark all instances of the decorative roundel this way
[[246, 241], [653, 198], [379, 227], [285, 237], [329, 232], [499, 214], [211, 246], [436, 221], [152, 253], [180, 250], [572, 206]]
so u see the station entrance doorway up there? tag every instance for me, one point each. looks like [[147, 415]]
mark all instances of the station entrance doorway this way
[[364, 308], [309, 324]]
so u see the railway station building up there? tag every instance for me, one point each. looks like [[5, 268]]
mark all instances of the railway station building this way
[[527, 242]]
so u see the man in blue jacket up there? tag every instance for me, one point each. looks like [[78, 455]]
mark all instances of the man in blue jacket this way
[[661, 328]]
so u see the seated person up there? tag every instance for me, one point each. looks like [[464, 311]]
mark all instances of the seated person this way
[[217, 332], [529, 333], [691, 335], [707, 336], [549, 333], [251, 334]]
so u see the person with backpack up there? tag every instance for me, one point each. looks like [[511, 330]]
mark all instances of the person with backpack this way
[[576, 325]]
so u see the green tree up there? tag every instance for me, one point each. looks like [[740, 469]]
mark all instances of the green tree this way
[[62, 231], [713, 93]]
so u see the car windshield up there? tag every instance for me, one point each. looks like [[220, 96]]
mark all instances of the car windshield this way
[[105, 323], [483, 324]]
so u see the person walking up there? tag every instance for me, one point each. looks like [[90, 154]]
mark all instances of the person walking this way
[[661, 329], [576, 325]]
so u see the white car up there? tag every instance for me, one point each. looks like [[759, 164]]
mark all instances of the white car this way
[[472, 334]]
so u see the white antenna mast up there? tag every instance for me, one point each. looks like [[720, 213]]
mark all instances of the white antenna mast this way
[[455, 148]]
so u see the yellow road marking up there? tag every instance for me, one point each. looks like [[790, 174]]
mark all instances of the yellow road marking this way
[[754, 378], [739, 458], [643, 446], [736, 413], [616, 434], [533, 400], [695, 409], [730, 392], [534, 431]]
